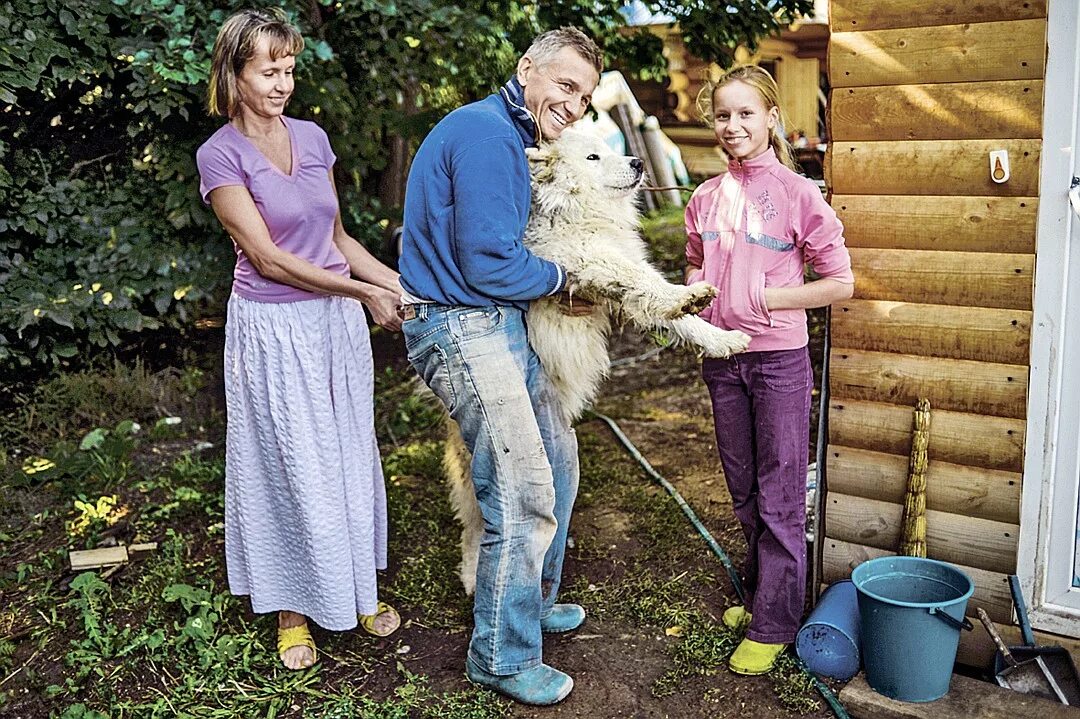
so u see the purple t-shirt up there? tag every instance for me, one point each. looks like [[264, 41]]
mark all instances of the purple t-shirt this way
[[299, 209]]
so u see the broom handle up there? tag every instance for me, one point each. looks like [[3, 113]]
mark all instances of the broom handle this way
[[1005, 653]]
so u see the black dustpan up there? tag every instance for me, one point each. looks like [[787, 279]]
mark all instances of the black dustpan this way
[[1055, 661]]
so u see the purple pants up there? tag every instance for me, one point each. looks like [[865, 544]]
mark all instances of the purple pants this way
[[761, 409]]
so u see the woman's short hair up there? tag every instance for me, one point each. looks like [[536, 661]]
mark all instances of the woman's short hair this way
[[236, 44], [547, 45]]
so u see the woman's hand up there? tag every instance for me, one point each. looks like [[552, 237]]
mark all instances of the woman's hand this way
[[383, 305]]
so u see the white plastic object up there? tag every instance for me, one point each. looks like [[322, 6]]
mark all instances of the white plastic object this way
[[999, 166], [1074, 196]]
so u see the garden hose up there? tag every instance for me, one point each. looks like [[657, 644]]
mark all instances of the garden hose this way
[[827, 694]]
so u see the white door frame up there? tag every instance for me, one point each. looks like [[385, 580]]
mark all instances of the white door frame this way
[[1052, 456]]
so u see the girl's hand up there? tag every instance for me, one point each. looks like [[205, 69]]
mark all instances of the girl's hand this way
[[383, 305]]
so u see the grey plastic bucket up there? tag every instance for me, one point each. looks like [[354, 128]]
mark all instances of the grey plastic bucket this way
[[828, 642], [911, 612]]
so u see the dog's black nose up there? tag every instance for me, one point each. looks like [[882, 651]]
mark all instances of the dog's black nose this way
[[637, 164]]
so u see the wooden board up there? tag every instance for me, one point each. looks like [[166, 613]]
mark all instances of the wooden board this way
[[848, 15], [957, 385], [954, 488], [974, 333], [967, 541], [1012, 50], [967, 279], [967, 698], [931, 167], [961, 224], [991, 588], [949, 111], [956, 437], [93, 558]]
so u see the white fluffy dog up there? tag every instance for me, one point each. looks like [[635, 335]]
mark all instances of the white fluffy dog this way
[[584, 218]]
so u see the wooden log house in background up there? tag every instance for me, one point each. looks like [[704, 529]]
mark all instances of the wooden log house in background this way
[[922, 91]]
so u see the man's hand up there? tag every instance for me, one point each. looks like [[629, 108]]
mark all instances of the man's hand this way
[[574, 306]]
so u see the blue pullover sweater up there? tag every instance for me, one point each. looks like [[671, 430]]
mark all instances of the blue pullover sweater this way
[[466, 205]]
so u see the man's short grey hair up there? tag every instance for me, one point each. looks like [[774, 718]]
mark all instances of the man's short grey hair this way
[[547, 45]]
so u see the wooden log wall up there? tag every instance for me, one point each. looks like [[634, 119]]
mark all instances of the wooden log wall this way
[[922, 91]]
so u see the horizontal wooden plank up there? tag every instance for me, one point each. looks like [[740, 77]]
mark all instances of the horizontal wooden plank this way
[[1011, 50], [991, 588], [974, 333], [957, 437], [931, 167], [849, 15], [963, 224], [967, 698], [957, 385], [966, 279], [954, 488], [966, 541], [951, 111]]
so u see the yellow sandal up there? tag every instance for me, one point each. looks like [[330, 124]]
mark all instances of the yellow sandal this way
[[367, 621], [299, 636]]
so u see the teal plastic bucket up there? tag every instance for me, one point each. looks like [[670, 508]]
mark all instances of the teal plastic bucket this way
[[828, 642], [911, 612]]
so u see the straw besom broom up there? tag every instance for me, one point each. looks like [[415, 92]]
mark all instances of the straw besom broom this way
[[913, 526]]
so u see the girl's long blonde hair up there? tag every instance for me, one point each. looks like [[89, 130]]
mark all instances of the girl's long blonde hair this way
[[759, 79]]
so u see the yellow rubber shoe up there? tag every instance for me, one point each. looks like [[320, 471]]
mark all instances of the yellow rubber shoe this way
[[752, 658], [736, 618], [289, 637]]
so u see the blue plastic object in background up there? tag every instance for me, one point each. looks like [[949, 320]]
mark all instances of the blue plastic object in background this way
[[828, 642], [911, 612]]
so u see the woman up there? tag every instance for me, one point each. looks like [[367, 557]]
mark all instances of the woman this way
[[305, 504]]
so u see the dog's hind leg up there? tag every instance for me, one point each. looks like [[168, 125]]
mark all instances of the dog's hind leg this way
[[638, 288], [457, 463]]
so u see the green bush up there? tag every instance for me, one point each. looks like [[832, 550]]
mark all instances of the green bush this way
[[104, 235]]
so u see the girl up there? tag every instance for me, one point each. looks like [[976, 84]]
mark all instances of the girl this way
[[750, 231]]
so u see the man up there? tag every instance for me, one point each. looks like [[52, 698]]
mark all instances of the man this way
[[468, 280]]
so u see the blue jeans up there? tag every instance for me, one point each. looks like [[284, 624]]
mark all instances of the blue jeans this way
[[524, 468]]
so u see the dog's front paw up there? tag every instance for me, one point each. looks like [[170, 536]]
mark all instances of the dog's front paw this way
[[695, 298], [726, 343]]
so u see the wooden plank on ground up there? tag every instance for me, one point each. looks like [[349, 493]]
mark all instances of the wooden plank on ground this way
[[955, 488], [974, 333], [943, 111], [956, 437], [931, 167], [94, 558], [967, 279], [849, 15], [960, 224], [967, 541], [956, 385], [967, 699], [1011, 50], [991, 588]]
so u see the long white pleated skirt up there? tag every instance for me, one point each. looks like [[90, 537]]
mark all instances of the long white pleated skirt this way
[[305, 503]]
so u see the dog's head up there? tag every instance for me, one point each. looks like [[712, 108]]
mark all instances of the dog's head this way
[[579, 173]]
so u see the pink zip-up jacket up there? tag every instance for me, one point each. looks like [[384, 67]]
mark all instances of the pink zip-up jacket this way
[[755, 226]]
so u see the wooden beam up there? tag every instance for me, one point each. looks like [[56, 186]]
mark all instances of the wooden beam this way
[[991, 588], [954, 488], [957, 437], [1011, 50], [974, 333], [950, 111], [956, 385], [967, 698], [931, 167], [966, 541], [84, 559], [966, 279], [959, 224], [849, 15]]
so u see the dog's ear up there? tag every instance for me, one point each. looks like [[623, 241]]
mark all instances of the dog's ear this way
[[541, 163]]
